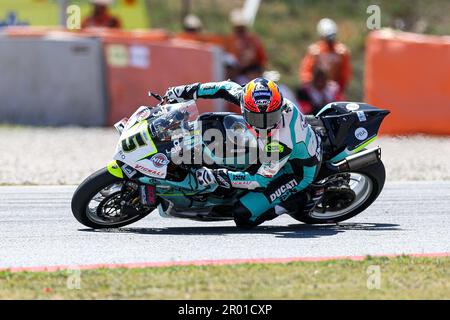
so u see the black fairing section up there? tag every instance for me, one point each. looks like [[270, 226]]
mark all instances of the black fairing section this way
[[342, 122]]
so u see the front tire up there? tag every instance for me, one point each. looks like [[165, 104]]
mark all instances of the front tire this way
[[109, 193], [376, 176]]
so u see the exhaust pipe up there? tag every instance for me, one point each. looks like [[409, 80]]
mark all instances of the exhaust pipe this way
[[357, 161]]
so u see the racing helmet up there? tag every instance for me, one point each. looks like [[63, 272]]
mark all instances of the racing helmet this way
[[261, 104]]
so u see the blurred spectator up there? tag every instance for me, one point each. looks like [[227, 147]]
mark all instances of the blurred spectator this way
[[245, 46], [100, 17], [231, 66], [192, 28], [315, 94], [327, 54]]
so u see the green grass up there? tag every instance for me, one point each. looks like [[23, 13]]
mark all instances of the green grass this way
[[401, 278], [286, 27]]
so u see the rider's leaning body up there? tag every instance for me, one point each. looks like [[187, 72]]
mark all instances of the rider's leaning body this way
[[280, 128]]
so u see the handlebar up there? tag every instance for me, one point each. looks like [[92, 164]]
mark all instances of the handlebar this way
[[162, 99]]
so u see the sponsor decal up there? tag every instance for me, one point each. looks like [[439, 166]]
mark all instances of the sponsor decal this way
[[260, 87], [274, 147], [149, 171], [121, 56], [242, 183], [262, 103], [121, 155], [361, 134], [130, 172], [117, 55], [361, 116], [159, 160], [139, 57], [283, 189], [352, 106], [262, 93], [238, 177], [144, 114], [209, 86]]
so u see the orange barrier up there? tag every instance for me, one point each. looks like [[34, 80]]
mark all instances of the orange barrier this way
[[409, 74], [135, 66], [118, 34], [38, 31], [201, 37], [141, 60], [26, 31]]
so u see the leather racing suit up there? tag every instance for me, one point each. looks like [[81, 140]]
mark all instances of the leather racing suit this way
[[273, 184]]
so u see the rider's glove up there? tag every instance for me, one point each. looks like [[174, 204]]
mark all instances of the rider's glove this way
[[222, 178], [205, 177], [182, 93]]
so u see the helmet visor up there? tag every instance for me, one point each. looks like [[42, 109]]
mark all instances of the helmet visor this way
[[262, 120]]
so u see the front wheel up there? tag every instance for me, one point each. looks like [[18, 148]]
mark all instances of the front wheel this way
[[105, 201], [357, 191]]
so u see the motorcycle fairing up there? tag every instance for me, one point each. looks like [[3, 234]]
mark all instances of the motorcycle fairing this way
[[137, 149], [350, 126]]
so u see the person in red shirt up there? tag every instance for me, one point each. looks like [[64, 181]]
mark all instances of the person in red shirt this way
[[317, 93], [245, 46], [100, 17], [327, 54]]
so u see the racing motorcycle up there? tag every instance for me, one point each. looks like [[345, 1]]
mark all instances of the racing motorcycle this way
[[146, 173]]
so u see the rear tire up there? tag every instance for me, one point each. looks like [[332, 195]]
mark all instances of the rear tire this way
[[86, 191], [377, 175]]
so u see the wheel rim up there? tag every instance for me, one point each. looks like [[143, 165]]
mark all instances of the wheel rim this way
[[106, 206], [361, 185]]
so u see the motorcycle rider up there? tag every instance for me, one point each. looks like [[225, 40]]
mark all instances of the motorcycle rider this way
[[280, 128]]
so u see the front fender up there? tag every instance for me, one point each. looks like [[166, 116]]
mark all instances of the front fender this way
[[114, 169]]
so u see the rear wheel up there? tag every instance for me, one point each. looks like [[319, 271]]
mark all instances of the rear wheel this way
[[345, 199], [105, 201]]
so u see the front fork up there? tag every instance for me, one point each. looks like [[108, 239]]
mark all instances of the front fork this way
[[147, 192]]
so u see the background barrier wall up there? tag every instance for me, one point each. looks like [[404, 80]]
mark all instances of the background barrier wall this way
[[52, 82], [96, 77], [135, 66], [410, 75]]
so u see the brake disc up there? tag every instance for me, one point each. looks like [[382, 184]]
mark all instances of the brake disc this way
[[337, 198]]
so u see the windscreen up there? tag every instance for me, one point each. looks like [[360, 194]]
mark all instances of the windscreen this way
[[174, 120]]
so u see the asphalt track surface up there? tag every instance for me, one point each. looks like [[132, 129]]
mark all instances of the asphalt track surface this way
[[37, 229]]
